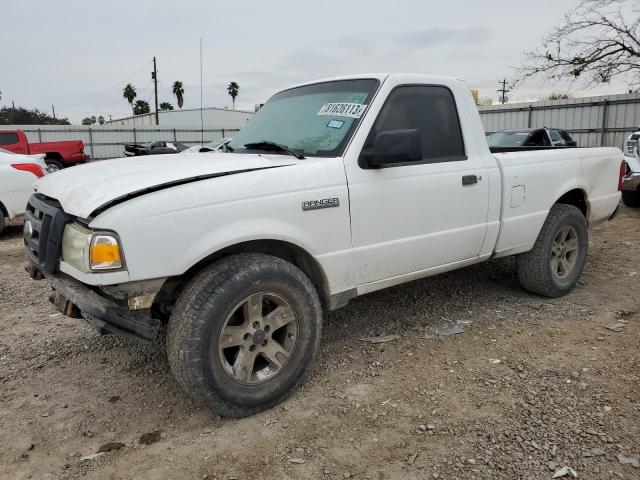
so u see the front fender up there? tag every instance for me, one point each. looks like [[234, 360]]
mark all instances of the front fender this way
[[165, 233]]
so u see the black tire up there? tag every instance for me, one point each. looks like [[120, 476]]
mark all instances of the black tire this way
[[53, 165], [536, 267], [631, 198], [1, 221], [204, 309]]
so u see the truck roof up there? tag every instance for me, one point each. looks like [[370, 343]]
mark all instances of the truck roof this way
[[423, 77]]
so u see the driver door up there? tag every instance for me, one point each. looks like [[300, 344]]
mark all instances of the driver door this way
[[414, 216]]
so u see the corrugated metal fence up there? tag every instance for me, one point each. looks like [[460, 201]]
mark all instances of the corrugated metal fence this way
[[591, 121], [108, 141]]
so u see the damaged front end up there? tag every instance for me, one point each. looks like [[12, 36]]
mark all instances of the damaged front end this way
[[129, 315], [123, 309]]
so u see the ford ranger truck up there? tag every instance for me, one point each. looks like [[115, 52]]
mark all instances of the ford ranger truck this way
[[57, 155], [335, 189]]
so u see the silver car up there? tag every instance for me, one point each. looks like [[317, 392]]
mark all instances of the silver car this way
[[209, 147]]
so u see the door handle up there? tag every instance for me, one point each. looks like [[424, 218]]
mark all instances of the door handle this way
[[469, 179]]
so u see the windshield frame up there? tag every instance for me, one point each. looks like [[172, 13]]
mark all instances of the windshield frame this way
[[339, 150]]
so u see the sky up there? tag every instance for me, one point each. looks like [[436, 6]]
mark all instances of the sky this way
[[79, 54]]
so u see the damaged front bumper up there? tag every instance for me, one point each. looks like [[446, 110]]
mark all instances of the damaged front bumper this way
[[75, 299]]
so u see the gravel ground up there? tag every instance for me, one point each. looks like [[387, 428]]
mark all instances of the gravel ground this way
[[531, 386]]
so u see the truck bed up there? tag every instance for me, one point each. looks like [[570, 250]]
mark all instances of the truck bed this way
[[532, 181]]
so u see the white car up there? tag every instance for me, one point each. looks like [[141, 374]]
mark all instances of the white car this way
[[209, 147], [631, 187], [17, 176], [335, 189]]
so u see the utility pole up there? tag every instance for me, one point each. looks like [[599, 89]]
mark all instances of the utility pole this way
[[154, 75], [54, 111], [503, 91]]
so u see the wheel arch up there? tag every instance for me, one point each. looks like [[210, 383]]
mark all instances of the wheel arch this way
[[578, 198], [288, 251], [53, 156], [520, 236]]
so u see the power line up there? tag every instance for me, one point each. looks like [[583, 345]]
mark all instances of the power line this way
[[114, 87]]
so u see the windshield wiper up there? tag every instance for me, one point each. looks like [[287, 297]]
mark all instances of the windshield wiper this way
[[267, 145]]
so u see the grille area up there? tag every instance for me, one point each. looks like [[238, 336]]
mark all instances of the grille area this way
[[43, 229]]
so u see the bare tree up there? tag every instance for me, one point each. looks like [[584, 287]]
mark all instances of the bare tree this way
[[484, 101], [593, 42], [557, 96]]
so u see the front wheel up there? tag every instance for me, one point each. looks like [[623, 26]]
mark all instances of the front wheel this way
[[554, 265], [244, 332]]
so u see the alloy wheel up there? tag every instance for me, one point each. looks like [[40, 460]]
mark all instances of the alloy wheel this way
[[564, 252], [258, 338]]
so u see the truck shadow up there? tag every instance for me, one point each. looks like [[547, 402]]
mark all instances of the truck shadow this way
[[429, 303], [422, 305]]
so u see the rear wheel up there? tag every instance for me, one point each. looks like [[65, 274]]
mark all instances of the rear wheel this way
[[554, 265], [631, 198], [1, 221], [244, 333], [53, 165]]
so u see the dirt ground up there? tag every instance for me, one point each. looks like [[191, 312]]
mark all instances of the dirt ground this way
[[531, 386]]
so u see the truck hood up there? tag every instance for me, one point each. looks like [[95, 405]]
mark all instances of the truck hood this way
[[83, 189]]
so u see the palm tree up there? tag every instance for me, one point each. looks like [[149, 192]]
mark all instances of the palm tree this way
[[178, 91], [129, 93], [141, 107], [233, 90], [166, 106]]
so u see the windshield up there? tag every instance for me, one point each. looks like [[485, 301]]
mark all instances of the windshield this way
[[508, 139], [316, 120]]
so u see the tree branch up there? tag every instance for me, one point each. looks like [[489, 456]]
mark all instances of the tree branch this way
[[591, 43]]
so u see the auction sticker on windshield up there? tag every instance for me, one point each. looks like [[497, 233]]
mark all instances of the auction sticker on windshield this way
[[351, 110]]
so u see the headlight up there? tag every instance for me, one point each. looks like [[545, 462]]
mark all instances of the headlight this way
[[75, 246], [90, 251]]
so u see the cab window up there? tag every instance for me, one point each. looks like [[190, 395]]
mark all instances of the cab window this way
[[8, 138], [432, 111]]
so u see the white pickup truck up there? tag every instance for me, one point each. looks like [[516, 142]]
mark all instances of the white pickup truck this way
[[335, 189]]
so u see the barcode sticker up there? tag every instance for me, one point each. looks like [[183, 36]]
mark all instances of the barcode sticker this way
[[351, 110]]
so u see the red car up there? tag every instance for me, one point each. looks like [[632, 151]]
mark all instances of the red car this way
[[57, 154]]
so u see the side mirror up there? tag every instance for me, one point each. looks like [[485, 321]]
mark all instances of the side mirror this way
[[395, 146]]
